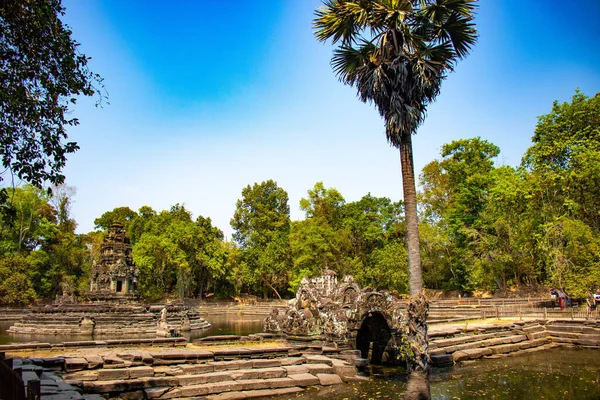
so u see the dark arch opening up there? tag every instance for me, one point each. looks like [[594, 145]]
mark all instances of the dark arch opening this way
[[373, 337]]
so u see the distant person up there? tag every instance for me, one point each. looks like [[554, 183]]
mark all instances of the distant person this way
[[591, 301], [597, 298], [553, 296], [562, 299]]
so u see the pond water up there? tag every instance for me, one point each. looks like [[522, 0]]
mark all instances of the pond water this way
[[565, 374], [221, 324]]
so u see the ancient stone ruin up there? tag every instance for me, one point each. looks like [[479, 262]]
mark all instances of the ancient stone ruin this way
[[346, 315], [114, 276], [114, 309]]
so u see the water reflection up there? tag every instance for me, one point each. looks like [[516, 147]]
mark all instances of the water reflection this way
[[221, 324], [563, 374]]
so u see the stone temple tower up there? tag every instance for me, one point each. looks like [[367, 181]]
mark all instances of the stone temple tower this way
[[114, 276]]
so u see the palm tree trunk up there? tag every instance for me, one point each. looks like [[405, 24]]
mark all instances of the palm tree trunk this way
[[418, 307], [410, 214]]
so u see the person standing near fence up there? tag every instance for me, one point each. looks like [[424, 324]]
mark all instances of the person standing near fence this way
[[562, 300]]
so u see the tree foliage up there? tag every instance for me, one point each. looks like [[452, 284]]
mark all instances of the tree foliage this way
[[262, 224], [41, 75]]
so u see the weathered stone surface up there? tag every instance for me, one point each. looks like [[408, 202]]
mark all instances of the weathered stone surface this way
[[319, 369], [252, 394], [196, 369], [329, 379], [113, 374], [94, 361], [75, 364], [154, 393], [343, 369], [318, 359], [459, 356], [112, 386], [273, 383], [264, 373], [477, 353], [304, 380], [187, 380], [296, 369], [139, 372], [266, 363]]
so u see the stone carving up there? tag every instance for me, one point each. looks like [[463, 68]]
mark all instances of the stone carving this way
[[115, 275], [162, 328], [338, 311]]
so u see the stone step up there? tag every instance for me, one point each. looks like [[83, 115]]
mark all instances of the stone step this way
[[253, 394], [474, 353], [494, 341]]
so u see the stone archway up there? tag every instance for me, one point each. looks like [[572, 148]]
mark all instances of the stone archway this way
[[373, 337]]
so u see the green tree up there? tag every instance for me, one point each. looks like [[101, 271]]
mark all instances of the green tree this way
[[41, 75], [123, 215], [176, 254], [262, 224], [563, 169], [396, 54], [455, 194]]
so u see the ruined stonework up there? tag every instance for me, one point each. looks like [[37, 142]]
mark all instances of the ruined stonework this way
[[115, 275], [345, 314]]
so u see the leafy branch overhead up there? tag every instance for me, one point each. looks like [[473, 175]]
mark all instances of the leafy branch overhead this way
[[41, 75]]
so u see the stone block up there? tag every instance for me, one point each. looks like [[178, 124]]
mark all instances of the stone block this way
[[343, 369], [75, 364], [113, 374], [82, 376], [135, 395], [257, 384], [319, 369], [296, 369], [266, 363], [304, 380], [139, 372], [110, 361], [112, 386], [262, 373], [459, 356], [188, 380], [329, 379], [442, 359], [94, 361], [154, 393], [161, 381], [318, 359], [478, 353], [220, 387], [293, 360], [197, 369]]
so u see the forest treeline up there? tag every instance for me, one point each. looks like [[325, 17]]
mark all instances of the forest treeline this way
[[483, 226]]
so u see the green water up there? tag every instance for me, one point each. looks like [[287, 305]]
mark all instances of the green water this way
[[565, 374]]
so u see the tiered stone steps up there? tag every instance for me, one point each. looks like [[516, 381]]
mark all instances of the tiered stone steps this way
[[108, 319], [568, 332], [450, 346], [229, 373]]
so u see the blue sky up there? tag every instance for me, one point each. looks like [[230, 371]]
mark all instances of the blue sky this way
[[207, 97]]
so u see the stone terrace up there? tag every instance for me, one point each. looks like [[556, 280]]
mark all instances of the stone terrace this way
[[218, 373]]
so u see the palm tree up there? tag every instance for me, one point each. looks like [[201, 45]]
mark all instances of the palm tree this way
[[396, 53]]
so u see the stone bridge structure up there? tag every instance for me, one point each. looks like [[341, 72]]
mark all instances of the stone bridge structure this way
[[345, 314]]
